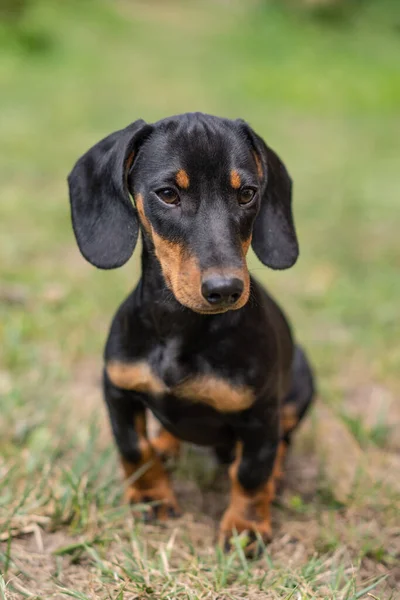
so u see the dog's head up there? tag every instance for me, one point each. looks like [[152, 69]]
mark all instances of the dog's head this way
[[204, 189]]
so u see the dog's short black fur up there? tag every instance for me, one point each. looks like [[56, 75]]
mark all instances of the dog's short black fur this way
[[199, 342]]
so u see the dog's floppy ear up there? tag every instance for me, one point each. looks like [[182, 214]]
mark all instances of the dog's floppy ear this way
[[103, 217], [274, 236]]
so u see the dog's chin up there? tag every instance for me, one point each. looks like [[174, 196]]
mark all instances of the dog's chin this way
[[210, 311], [202, 309]]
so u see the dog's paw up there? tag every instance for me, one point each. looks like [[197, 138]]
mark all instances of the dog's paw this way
[[153, 504], [252, 536]]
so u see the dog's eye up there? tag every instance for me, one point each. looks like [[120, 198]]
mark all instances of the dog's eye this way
[[246, 195], [168, 195]]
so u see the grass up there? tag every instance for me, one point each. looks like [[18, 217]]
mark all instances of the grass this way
[[325, 94]]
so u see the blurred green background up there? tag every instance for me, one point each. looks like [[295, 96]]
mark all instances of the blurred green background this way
[[320, 81]]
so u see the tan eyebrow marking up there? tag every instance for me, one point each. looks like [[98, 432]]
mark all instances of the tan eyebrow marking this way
[[182, 179], [235, 179]]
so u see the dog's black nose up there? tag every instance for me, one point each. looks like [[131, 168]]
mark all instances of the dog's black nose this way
[[222, 291]]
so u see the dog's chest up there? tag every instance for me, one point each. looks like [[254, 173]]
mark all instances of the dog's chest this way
[[165, 373]]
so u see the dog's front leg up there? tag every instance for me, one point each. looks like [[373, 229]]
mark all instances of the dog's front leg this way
[[166, 445], [253, 474], [147, 480]]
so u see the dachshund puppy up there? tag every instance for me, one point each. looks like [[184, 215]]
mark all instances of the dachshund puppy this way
[[198, 342]]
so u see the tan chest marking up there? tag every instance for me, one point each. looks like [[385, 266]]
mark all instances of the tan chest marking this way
[[205, 389], [136, 376], [215, 392]]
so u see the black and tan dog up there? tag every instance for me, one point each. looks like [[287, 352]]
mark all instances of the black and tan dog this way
[[198, 342]]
